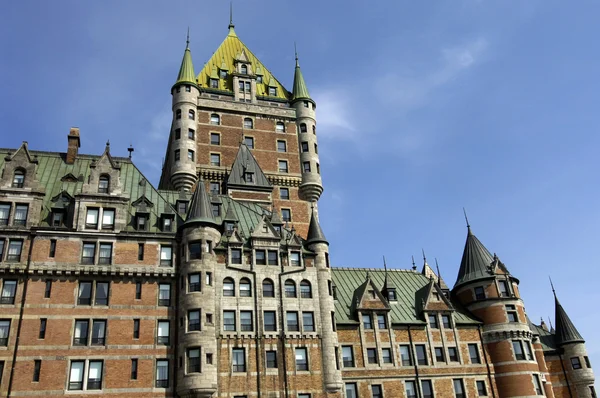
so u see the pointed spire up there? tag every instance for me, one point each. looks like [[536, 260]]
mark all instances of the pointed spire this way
[[231, 25], [275, 218], [200, 211], [565, 330], [186, 71], [385, 279], [467, 221], [315, 233], [476, 261], [414, 266], [300, 91]]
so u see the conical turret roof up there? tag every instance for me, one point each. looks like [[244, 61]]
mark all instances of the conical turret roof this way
[[315, 233], [476, 260], [300, 90], [186, 71], [565, 331], [200, 211]]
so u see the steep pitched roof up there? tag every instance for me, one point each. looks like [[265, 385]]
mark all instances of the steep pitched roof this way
[[200, 210], [186, 71], [245, 162], [300, 91], [315, 233], [230, 50], [475, 261], [565, 330]]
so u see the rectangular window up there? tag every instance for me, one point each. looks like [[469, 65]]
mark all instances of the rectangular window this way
[[308, 322], [193, 282], [371, 355], [452, 354], [21, 215], [195, 250], [164, 294], [57, 218], [411, 389], [481, 388], [193, 360], [80, 336], [105, 253], [76, 375], [91, 219], [136, 328], [269, 321], [52, 252], [518, 349], [229, 321], [101, 293], [238, 356], [386, 355], [163, 329], [134, 369], [14, 250], [301, 359], [459, 388], [162, 373], [381, 321], [138, 290], [474, 353], [98, 332], [538, 385], [284, 193], [427, 388], [295, 259], [48, 288], [304, 146], [261, 257], [208, 279], [405, 355], [575, 363], [511, 313], [503, 288], [215, 159], [306, 167], [446, 321], [215, 188], [433, 322], [4, 213], [272, 257], [9, 291], [193, 320], [37, 367], [85, 293], [528, 350], [479, 293], [236, 256], [283, 166], [376, 391], [292, 321], [366, 319], [281, 146], [191, 134], [587, 362], [190, 155], [108, 219], [351, 390], [4, 332], [249, 141], [246, 321], [271, 360], [42, 333], [421, 354], [177, 134], [215, 139], [439, 354], [166, 256], [177, 154], [88, 254], [347, 356]]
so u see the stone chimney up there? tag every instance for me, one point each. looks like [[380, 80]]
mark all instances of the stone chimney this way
[[74, 145]]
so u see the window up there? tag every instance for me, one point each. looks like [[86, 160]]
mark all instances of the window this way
[[191, 134], [14, 250], [188, 88], [191, 114], [193, 320], [21, 215], [222, 74], [177, 134], [391, 294], [304, 146], [433, 322], [316, 149], [195, 250], [269, 321], [98, 332], [215, 119], [193, 360], [511, 313], [405, 355], [587, 362], [57, 218], [228, 287], [166, 256], [136, 328], [249, 141], [283, 166], [421, 354], [303, 127], [284, 193], [446, 321], [163, 333], [528, 350], [286, 215], [42, 333], [305, 289], [366, 320], [518, 349], [351, 390], [48, 288], [261, 256], [280, 128], [37, 366], [503, 288], [308, 322], [386, 355], [272, 257], [80, 337], [101, 293], [538, 385], [268, 288], [238, 356], [474, 353], [4, 213], [439, 354], [290, 288], [452, 354], [88, 254], [208, 278], [18, 179], [162, 373], [479, 293], [91, 219], [214, 83], [229, 321], [292, 321], [178, 114], [459, 388], [194, 283], [105, 253], [273, 91], [9, 290], [140, 256], [248, 123], [103, 184], [411, 389], [215, 188], [246, 324], [371, 355], [306, 167], [190, 155], [85, 293], [271, 359], [301, 359], [427, 388], [347, 356], [76, 375], [592, 388], [164, 294], [481, 388], [134, 369], [177, 154], [244, 69]]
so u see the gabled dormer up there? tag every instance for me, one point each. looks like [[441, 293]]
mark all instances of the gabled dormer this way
[[61, 210], [431, 297], [264, 231], [69, 177], [19, 171], [368, 297], [142, 206], [104, 176], [246, 175]]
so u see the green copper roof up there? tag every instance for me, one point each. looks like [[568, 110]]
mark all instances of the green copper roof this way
[[547, 339], [300, 91], [315, 233], [565, 330], [245, 164], [475, 261], [200, 210], [186, 71]]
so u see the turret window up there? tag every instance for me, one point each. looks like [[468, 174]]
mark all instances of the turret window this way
[[511, 313], [316, 149], [576, 363], [215, 119], [177, 134], [191, 134], [177, 154], [518, 350], [303, 127], [479, 293], [503, 288], [318, 168], [191, 115], [306, 167], [279, 127], [190, 155], [103, 184], [304, 146], [178, 114], [188, 88], [194, 283], [587, 362], [193, 320], [195, 250], [306, 104], [248, 123], [193, 360]]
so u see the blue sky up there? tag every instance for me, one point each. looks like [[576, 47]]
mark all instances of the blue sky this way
[[423, 108]]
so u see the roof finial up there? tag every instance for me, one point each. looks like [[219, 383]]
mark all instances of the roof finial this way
[[130, 150], [384, 265], [296, 53], [187, 41], [424, 258], [414, 267], [231, 25], [551, 284], [550, 322], [467, 220], [439, 275]]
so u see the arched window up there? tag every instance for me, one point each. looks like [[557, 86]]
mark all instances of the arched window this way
[[228, 287], [303, 128], [191, 114], [305, 289], [244, 69], [268, 288], [290, 288], [178, 114], [314, 130], [248, 123], [103, 184], [245, 288], [18, 178], [215, 119], [279, 127]]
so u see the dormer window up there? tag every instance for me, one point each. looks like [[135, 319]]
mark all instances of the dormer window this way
[[142, 222], [273, 91], [259, 79], [244, 69], [223, 74], [216, 209], [214, 83], [249, 178], [391, 294], [181, 207], [229, 226], [167, 223], [18, 179], [57, 218], [103, 184]]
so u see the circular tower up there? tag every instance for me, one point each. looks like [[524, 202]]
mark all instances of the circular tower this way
[[306, 123], [182, 143], [197, 348]]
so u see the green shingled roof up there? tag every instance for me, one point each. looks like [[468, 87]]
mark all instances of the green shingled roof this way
[[186, 71], [300, 90], [407, 284], [475, 261]]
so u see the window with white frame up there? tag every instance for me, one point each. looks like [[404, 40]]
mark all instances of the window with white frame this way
[[301, 358], [9, 290]]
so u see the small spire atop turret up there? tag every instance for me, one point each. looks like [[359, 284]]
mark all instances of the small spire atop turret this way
[[467, 221], [424, 257], [231, 25], [186, 71], [315, 233], [187, 41], [200, 210], [300, 91], [565, 329]]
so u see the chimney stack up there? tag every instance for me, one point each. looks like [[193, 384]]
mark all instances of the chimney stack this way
[[74, 145]]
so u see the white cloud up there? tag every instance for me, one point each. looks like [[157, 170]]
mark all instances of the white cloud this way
[[335, 116]]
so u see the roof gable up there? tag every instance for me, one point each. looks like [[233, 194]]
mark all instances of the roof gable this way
[[246, 163]]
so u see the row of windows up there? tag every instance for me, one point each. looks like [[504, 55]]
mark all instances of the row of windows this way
[[434, 323], [191, 134], [191, 114], [13, 254], [268, 257], [20, 214], [292, 319], [503, 290], [411, 389], [576, 363], [104, 218], [215, 188], [268, 288]]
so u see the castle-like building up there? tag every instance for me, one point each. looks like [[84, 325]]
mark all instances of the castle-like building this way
[[218, 283]]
